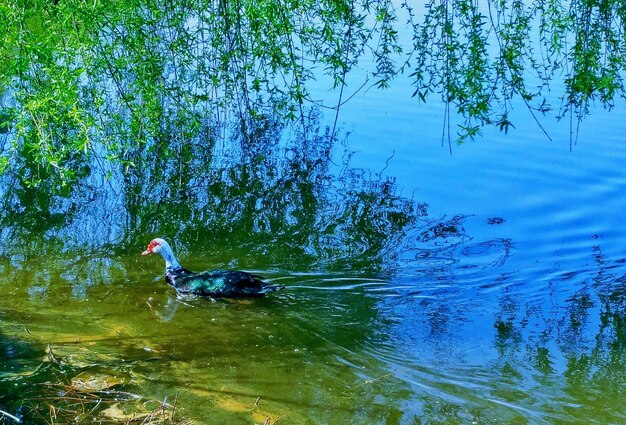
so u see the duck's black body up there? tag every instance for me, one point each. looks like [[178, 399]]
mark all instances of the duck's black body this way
[[217, 283]]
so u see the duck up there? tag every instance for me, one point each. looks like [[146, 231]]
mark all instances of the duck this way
[[214, 283]]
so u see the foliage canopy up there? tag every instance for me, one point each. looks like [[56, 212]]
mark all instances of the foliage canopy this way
[[97, 83]]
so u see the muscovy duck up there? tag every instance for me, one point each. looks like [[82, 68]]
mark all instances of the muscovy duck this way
[[215, 283]]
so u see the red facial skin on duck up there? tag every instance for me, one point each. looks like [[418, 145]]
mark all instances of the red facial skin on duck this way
[[150, 248]]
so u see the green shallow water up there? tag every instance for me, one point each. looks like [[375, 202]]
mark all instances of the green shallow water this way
[[218, 357]]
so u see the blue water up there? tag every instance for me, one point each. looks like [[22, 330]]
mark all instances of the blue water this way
[[519, 322]]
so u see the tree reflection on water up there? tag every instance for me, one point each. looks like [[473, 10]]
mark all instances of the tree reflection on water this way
[[285, 201]]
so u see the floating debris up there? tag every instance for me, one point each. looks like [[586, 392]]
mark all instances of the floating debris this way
[[10, 416], [50, 357]]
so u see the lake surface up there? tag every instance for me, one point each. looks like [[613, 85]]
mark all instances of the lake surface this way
[[482, 286]]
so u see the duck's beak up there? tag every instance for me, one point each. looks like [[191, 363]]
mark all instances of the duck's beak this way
[[146, 252]]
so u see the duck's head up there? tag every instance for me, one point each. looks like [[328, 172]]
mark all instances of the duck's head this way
[[157, 246]]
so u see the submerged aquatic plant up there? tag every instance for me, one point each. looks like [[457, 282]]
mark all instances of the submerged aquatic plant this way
[[75, 384]]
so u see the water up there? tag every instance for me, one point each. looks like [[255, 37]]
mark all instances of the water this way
[[486, 286], [522, 323]]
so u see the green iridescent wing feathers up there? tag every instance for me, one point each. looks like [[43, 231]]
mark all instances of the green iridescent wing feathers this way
[[222, 283]]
